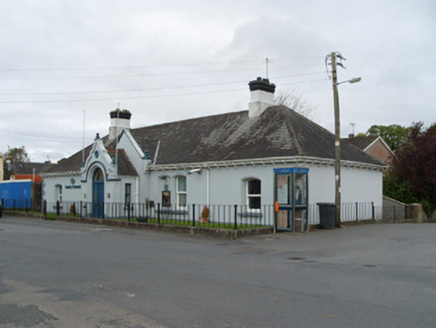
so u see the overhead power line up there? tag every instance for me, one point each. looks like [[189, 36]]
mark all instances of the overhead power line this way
[[185, 86], [146, 96], [148, 74], [260, 61]]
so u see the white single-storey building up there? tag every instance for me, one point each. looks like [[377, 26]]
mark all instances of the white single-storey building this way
[[256, 157]]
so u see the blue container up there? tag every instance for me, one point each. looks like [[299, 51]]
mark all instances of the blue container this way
[[16, 194]]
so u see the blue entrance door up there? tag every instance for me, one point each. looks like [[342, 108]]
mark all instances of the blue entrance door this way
[[98, 195]]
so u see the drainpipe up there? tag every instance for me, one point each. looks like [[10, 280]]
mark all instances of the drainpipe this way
[[208, 187], [137, 190]]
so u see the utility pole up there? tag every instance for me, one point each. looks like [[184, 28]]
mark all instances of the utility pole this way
[[337, 142], [333, 62]]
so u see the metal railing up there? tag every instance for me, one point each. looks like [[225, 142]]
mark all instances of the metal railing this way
[[230, 216], [218, 216], [226, 216], [349, 212], [18, 204]]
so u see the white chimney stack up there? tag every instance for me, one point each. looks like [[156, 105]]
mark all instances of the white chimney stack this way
[[120, 120], [261, 96]]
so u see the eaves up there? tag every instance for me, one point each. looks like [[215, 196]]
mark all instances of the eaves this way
[[61, 174], [273, 161]]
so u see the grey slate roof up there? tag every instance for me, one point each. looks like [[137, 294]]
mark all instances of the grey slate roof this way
[[28, 167], [278, 132], [125, 166], [74, 163]]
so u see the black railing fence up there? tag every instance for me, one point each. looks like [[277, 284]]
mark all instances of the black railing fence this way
[[349, 212], [20, 204], [226, 216]]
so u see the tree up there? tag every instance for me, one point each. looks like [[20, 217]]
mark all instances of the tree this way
[[394, 135], [290, 98], [16, 155], [412, 176]]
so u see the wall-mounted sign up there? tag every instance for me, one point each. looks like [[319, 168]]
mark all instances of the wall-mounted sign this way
[[291, 170], [73, 187]]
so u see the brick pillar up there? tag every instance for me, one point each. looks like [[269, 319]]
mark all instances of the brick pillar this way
[[417, 213]]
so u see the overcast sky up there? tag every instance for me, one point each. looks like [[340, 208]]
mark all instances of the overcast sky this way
[[66, 64]]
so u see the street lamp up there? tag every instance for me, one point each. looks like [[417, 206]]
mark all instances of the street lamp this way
[[353, 80], [338, 138]]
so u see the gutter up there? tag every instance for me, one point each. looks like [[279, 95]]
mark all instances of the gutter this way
[[274, 161], [60, 174]]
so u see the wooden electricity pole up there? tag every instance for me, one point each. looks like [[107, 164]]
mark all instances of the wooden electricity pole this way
[[337, 142]]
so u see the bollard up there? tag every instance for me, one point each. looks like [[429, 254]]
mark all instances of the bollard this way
[[236, 217], [193, 215]]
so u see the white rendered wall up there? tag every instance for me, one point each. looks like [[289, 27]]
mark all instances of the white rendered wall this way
[[114, 191], [224, 186], [227, 185], [321, 184], [69, 193], [362, 186]]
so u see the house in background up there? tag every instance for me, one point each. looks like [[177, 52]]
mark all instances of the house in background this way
[[29, 170], [254, 158], [374, 146]]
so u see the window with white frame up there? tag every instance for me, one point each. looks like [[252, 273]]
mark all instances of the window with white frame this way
[[127, 193], [253, 194], [181, 191]]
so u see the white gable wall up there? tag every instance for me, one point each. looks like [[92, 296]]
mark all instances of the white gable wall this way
[[137, 158], [362, 186]]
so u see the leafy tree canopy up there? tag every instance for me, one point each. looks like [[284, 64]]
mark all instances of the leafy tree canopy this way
[[394, 135], [412, 176], [17, 155]]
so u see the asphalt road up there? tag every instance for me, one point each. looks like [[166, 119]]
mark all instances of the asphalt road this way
[[60, 274]]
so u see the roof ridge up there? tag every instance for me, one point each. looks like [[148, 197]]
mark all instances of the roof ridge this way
[[188, 119], [291, 129]]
